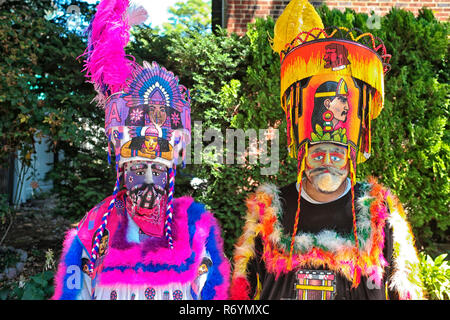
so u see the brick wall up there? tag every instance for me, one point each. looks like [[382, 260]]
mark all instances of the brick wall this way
[[240, 12]]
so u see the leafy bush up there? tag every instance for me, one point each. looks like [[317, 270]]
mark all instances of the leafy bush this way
[[38, 287], [435, 275]]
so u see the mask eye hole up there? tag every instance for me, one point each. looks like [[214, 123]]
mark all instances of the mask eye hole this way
[[138, 169], [158, 170], [318, 158], [335, 158]]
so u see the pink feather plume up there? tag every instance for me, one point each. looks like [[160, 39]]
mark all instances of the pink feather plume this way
[[107, 65]]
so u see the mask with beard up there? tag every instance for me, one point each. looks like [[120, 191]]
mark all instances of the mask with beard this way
[[326, 167], [146, 184]]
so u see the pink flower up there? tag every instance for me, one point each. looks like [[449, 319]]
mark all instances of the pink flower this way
[[175, 119], [136, 115]]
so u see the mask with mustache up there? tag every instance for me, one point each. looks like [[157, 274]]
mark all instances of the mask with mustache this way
[[326, 167], [147, 195], [326, 179]]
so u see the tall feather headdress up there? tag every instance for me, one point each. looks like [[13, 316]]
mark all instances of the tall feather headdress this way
[[147, 112]]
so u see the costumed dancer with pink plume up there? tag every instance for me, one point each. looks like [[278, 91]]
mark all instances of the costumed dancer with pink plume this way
[[141, 242]]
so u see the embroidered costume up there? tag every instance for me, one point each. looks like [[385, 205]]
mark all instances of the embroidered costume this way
[[360, 245], [141, 242]]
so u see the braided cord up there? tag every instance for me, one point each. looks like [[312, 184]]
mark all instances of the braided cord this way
[[357, 272], [102, 227], [302, 153], [169, 210]]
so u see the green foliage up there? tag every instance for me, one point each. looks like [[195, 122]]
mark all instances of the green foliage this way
[[435, 275], [232, 82], [261, 85], [410, 138], [20, 33], [188, 16], [205, 63], [38, 287], [4, 209]]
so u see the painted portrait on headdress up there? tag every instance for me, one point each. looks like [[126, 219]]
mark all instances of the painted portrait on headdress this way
[[333, 99]]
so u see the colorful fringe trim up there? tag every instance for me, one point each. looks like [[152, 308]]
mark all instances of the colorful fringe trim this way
[[405, 278], [327, 248]]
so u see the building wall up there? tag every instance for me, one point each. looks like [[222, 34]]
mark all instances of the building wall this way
[[241, 12], [34, 181]]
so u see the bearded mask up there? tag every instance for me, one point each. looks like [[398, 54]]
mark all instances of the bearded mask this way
[[326, 166], [146, 184]]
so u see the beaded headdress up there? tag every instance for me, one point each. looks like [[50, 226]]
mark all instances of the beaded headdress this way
[[319, 64], [147, 112]]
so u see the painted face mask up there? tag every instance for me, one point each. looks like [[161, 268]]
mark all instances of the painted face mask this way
[[149, 120], [326, 166], [146, 184]]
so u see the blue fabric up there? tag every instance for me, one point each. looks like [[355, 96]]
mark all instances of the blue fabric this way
[[195, 212], [193, 294], [215, 278], [156, 267], [73, 258], [133, 230]]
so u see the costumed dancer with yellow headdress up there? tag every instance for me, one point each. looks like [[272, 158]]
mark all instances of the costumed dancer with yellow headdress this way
[[326, 236], [141, 243]]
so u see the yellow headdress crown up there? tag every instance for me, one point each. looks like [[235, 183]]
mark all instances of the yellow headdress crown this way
[[319, 64], [298, 16]]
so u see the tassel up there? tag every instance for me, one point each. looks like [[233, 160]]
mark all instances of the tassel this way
[[102, 227], [303, 151], [169, 210], [357, 268]]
